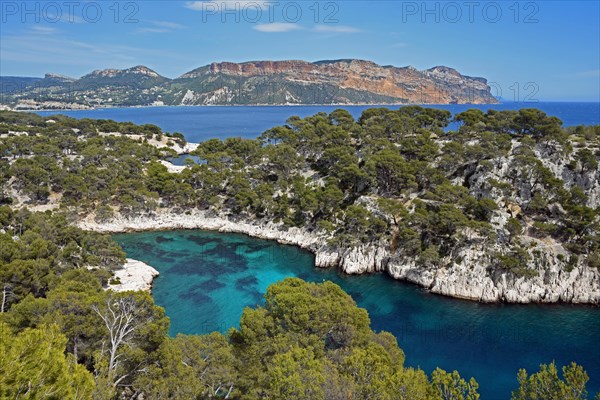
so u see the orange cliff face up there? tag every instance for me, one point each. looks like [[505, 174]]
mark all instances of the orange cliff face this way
[[407, 84]]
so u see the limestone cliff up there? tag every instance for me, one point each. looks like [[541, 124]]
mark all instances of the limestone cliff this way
[[327, 82], [472, 279]]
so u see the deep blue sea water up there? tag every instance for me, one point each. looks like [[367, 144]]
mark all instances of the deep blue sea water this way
[[201, 123], [208, 278]]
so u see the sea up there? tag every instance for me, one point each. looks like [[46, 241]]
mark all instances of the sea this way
[[199, 123]]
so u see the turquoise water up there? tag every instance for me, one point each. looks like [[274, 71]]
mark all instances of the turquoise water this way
[[208, 278], [200, 123]]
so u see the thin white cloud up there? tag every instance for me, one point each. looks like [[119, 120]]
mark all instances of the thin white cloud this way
[[68, 17], [152, 30], [593, 73], [226, 5], [160, 27], [50, 51], [336, 29], [399, 44], [45, 30], [277, 27], [167, 24]]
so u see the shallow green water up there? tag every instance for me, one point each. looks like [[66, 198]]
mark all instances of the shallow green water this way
[[208, 278]]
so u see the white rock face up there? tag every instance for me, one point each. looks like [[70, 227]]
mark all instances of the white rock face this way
[[364, 259], [185, 149], [172, 168], [135, 275], [471, 279], [188, 98], [589, 181]]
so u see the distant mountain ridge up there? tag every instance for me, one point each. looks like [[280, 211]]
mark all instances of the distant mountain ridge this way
[[347, 81]]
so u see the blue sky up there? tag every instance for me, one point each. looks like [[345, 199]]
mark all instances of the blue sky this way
[[545, 50]]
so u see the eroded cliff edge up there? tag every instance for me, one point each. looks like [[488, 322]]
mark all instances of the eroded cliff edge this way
[[472, 279]]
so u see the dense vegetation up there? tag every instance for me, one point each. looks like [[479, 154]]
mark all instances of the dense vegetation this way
[[392, 176]]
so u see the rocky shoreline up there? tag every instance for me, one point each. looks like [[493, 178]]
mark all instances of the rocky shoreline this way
[[471, 279], [134, 275]]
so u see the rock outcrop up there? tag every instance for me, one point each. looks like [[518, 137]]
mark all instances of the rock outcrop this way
[[134, 275]]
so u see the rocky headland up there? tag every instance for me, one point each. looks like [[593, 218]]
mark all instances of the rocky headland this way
[[290, 82]]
